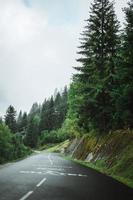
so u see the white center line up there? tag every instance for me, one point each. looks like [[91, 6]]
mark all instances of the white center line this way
[[49, 157], [41, 182], [27, 195], [46, 168]]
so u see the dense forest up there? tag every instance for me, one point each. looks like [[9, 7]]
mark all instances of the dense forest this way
[[99, 99], [19, 133]]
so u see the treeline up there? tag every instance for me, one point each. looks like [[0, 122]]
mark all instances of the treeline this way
[[38, 127], [100, 97], [101, 94]]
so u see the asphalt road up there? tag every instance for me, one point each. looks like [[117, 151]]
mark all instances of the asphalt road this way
[[47, 176]]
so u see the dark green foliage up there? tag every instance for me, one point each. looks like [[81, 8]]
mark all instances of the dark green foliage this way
[[1, 120], [19, 121], [35, 110], [54, 111], [19, 150], [47, 115], [123, 92], [55, 136], [5, 143], [60, 108], [22, 122], [11, 145], [32, 133], [48, 137], [10, 119], [96, 74], [101, 95]]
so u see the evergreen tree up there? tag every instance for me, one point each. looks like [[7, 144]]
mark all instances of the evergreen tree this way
[[64, 103], [95, 76], [60, 107], [19, 122], [10, 119], [32, 135], [57, 110], [123, 93], [24, 122], [1, 120], [50, 120], [47, 121], [43, 116], [35, 110]]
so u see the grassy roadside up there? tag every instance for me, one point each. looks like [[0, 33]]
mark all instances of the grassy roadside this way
[[102, 170], [58, 148], [112, 154], [99, 165]]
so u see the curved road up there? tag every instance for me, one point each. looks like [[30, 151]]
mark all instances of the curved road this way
[[47, 176]]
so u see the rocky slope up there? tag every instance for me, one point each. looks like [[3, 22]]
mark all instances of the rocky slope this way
[[111, 154]]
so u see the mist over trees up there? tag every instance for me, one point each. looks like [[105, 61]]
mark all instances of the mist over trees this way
[[100, 97]]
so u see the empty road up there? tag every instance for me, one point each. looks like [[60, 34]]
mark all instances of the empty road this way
[[47, 176]]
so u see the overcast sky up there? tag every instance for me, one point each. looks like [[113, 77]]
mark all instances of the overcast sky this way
[[38, 43]]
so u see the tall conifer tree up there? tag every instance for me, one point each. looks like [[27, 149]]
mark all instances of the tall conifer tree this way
[[10, 119], [96, 73], [123, 93]]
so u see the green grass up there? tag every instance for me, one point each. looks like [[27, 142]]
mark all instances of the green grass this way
[[46, 146], [100, 167], [59, 148], [114, 150]]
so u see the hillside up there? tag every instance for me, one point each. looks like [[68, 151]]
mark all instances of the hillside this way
[[111, 154]]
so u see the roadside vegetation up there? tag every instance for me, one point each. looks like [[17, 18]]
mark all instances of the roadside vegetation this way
[[95, 115], [11, 146]]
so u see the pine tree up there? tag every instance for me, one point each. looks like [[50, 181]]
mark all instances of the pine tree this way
[[24, 122], [10, 119], [50, 120], [123, 93], [47, 120], [32, 135], [1, 120], [19, 122], [96, 74], [35, 110], [60, 107], [64, 106], [58, 110]]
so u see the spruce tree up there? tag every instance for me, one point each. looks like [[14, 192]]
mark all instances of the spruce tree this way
[[10, 119], [123, 93], [47, 120], [24, 122], [32, 134], [95, 76], [19, 122]]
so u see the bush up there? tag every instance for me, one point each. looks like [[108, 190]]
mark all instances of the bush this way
[[6, 146], [11, 145]]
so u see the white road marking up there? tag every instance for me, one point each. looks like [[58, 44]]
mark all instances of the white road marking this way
[[30, 172], [82, 175], [49, 157], [54, 173], [72, 174], [41, 182], [47, 168], [27, 195]]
